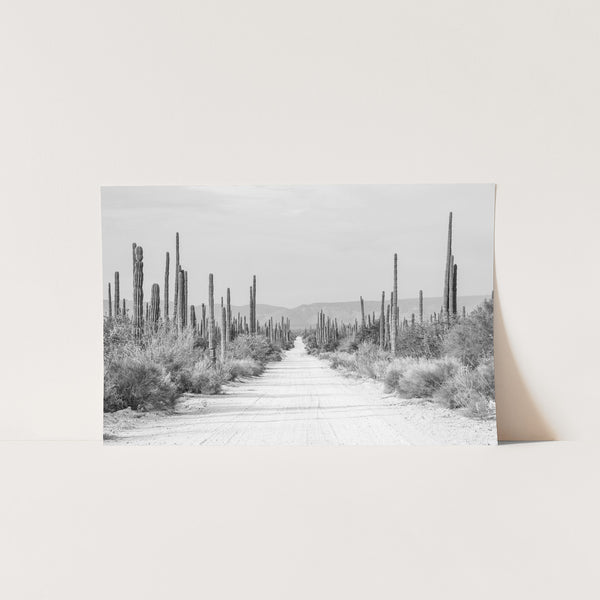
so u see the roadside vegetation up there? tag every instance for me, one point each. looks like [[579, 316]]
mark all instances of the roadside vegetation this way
[[445, 356], [152, 372], [446, 362], [156, 351]]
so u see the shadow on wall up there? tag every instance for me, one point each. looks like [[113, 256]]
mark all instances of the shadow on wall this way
[[518, 418]]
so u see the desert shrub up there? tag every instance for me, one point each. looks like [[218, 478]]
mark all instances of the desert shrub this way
[[369, 335], [371, 361], [342, 360], [165, 364], [117, 334], [419, 378], [331, 345], [421, 340], [348, 344], [244, 367], [368, 361], [258, 348], [471, 340], [471, 390], [175, 352], [204, 377], [395, 370], [134, 380], [310, 341]]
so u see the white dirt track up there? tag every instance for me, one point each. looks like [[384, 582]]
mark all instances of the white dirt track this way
[[299, 401]]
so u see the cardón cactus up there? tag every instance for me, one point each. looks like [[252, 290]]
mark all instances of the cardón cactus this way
[[176, 291], [155, 305], [448, 275], [117, 294], [138, 292], [212, 351], [166, 291], [394, 325]]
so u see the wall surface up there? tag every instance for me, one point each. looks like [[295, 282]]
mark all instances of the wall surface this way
[[148, 93]]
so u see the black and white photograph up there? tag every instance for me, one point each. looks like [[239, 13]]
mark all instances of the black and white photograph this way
[[299, 315]]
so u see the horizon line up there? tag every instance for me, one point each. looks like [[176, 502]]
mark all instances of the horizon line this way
[[489, 295]]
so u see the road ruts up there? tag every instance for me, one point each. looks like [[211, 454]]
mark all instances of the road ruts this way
[[298, 401]]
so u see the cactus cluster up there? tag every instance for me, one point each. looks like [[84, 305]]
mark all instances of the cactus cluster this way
[[217, 330], [449, 300], [220, 330], [327, 329], [385, 329]]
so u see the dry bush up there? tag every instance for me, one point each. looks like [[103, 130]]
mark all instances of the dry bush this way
[[203, 377], [342, 360], [135, 381], [151, 374], [371, 361], [257, 348], [471, 390], [471, 340], [244, 367], [368, 360], [348, 344], [419, 378], [395, 370]]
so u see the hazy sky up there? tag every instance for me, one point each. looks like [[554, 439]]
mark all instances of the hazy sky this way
[[305, 243]]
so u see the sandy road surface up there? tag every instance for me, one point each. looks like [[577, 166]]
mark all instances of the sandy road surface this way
[[299, 401]]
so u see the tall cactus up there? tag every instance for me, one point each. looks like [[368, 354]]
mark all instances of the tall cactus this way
[[193, 323], [251, 311], [138, 293], [451, 276], [382, 322], [362, 314], [228, 332], [166, 291], [155, 304], [254, 318], [388, 326], [185, 297], [180, 312], [124, 313], [448, 274], [453, 298], [211, 320], [223, 330], [394, 325], [420, 306], [117, 294], [176, 291], [109, 302]]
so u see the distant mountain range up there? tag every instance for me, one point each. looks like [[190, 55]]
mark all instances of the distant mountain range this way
[[305, 315]]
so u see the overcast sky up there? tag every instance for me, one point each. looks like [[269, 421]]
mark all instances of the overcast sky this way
[[305, 243]]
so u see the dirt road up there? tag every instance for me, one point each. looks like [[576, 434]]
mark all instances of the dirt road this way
[[299, 401]]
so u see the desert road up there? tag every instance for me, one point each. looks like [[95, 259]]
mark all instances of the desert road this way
[[299, 401]]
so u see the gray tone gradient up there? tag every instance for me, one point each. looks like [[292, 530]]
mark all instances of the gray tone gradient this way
[[306, 243]]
